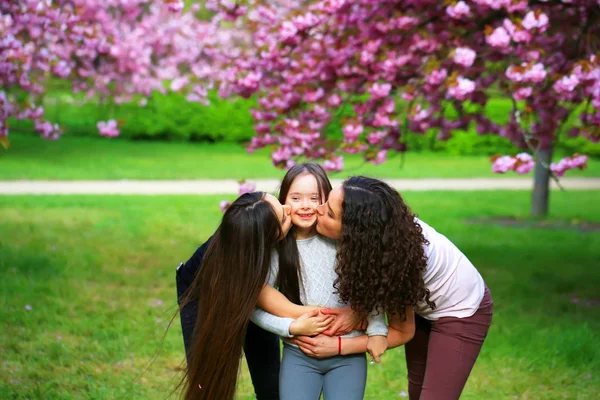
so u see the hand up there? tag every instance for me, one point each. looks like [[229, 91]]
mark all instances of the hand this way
[[320, 346], [376, 346], [311, 323], [346, 320]]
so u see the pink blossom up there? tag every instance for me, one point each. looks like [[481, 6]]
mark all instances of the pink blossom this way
[[352, 131], [436, 77], [175, 5], [559, 168], [335, 164], [566, 84], [379, 158], [524, 163], [533, 21], [282, 154], [287, 31], [384, 120], [503, 164], [463, 88], [224, 205], [376, 137], [247, 187], [498, 38], [522, 93], [459, 10], [178, 83], [464, 56], [379, 91], [334, 100], [314, 96], [579, 161], [536, 73], [108, 128]]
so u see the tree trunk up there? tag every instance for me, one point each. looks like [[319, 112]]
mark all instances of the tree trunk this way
[[541, 185]]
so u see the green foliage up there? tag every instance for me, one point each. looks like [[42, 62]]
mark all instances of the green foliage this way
[[171, 117], [99, 275]]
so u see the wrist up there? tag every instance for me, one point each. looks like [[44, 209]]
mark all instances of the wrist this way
[[293, 328]]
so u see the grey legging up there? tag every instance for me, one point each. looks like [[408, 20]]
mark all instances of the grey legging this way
[[305, 378]]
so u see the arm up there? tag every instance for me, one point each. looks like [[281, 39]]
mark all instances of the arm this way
[[309, 324], [274, 302], [322, 346]]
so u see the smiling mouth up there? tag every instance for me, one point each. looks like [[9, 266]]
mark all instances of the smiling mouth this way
[[306, 216]]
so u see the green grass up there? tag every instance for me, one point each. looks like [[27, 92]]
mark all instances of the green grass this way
[[98, 273], [72, 158]]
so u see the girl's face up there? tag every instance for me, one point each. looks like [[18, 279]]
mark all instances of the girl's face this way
[[330, 215], [303, 198], [283, 214]]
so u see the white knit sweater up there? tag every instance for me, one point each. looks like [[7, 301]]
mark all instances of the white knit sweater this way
[[317, 256]]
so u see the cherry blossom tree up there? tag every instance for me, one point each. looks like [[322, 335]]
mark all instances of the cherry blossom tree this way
[[113, 50], [416, 65]]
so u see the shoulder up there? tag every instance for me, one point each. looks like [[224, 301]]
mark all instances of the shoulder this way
[[327, 243]]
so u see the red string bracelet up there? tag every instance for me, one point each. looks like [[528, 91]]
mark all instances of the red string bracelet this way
[[339, 345]]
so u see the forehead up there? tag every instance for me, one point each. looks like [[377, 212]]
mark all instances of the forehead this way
[[274, 203], [305, 183], [336, 196]]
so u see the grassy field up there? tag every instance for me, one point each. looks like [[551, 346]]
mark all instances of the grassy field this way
[[72, 158], [87, 290]]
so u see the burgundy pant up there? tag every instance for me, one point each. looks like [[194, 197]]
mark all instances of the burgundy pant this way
[[442, 353]]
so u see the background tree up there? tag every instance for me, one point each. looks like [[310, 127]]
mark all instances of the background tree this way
[[416, 65]]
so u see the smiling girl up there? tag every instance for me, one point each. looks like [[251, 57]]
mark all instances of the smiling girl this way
[[304, 271]]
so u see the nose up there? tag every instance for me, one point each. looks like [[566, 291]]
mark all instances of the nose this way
[[305, 203], [321, 209], [287, 209]]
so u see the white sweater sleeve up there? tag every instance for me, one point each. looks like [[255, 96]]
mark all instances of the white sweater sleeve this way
[[269, 322], [377, 325]]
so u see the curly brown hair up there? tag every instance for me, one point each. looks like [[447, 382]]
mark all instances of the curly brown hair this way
[[381, 258]]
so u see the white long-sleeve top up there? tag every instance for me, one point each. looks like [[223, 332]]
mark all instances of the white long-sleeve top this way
[[454, 283], [317, 262]]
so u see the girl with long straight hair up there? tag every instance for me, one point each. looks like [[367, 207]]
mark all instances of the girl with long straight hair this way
[[227, 286]]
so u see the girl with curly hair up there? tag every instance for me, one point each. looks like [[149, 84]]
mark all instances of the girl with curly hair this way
[[392, 261]]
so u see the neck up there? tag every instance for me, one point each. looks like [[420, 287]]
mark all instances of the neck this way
[[305, 233]]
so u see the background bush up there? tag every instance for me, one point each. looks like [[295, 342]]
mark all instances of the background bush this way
[[171, 117]]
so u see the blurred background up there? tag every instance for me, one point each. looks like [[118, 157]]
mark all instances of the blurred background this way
[[87, 281]]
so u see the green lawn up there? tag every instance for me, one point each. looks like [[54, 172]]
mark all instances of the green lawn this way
[[72, 158], [87, 290]]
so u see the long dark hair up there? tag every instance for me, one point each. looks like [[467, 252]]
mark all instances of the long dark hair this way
[[227, 285], [289, 258], [381, 259]]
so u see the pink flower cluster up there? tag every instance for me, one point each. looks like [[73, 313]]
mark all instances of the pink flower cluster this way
[[312, 60], [109, 128], [576, 162], [523, 163]]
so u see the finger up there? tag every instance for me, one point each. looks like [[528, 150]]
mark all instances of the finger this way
[[331, 311], [377, 359], [304, 340], [308, 352], [332, 331]]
